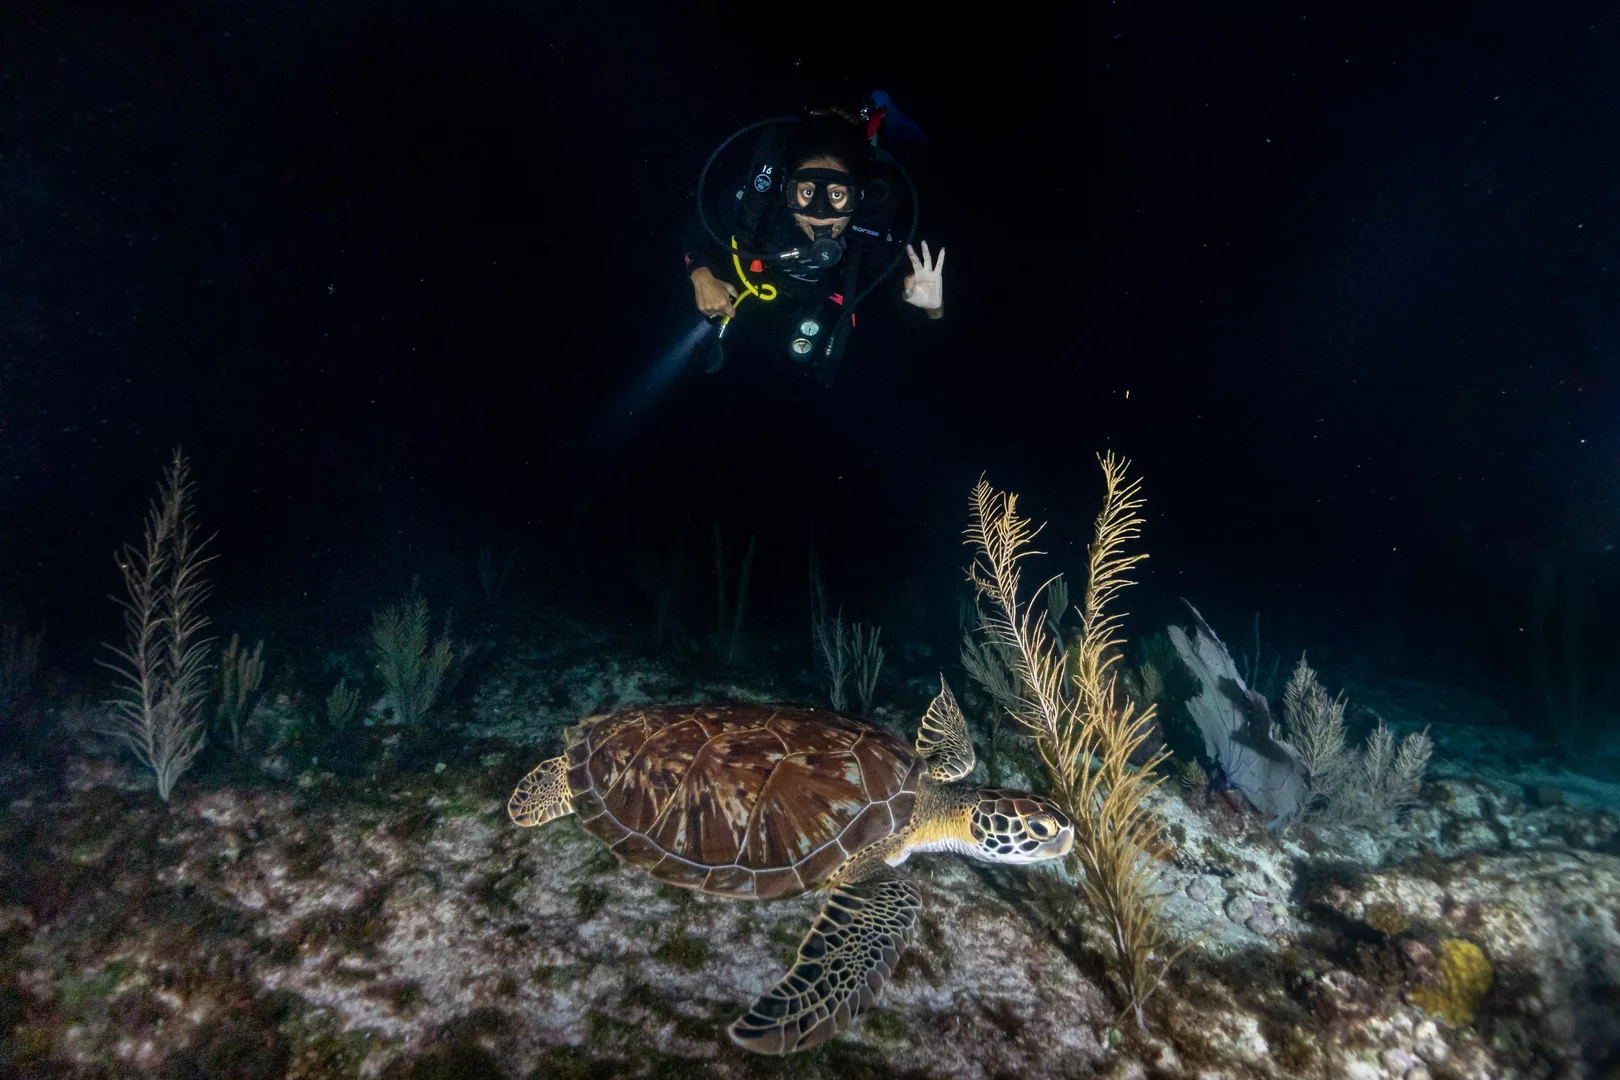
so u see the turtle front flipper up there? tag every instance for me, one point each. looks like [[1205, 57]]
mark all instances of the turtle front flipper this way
[[543, 795], [844, 960], [943, 739]]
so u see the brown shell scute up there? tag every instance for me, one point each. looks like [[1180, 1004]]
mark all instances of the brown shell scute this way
[[748, 801]]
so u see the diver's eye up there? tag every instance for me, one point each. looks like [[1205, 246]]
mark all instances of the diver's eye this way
[[837, 196], [806, 193], [1042, 828]]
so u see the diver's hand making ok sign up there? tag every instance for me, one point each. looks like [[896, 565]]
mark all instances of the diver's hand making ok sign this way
[[925, 285]]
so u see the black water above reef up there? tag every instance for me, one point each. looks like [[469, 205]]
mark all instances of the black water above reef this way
[[405, 282], [396, 278], [1339, 285]]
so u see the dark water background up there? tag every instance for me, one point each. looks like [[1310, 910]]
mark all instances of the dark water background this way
[[1341, 281]]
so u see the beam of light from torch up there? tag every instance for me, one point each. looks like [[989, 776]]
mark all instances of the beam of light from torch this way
[[647, 390]]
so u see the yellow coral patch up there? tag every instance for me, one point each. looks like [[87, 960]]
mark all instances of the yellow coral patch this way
[[1465, 975]]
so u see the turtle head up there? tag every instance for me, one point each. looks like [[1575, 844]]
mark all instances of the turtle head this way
[[1017, 827]]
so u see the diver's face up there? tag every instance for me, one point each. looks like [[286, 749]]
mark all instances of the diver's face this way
[[838, 197]]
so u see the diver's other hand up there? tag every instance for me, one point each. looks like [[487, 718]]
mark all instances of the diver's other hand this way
[[714, 297], [925, 285]]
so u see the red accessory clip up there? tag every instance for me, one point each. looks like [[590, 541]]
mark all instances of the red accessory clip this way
[[875, 121], [837, 298], [756, 267]]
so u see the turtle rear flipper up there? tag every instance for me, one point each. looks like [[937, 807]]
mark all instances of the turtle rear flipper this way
[[543, 795], [844, 960]]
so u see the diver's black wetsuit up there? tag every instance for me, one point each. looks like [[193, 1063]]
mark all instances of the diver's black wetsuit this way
[[804, 291]]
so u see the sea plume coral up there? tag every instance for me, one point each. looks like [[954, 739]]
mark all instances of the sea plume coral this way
[[1086, 731], [1367, 787], [163, 664]]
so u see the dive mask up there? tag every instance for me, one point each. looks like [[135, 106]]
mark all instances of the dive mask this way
[[820, 206]]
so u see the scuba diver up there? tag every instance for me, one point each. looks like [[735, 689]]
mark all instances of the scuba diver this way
[[822, 219]]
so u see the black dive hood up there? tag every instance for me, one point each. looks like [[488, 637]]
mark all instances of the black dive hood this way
[[825, 249]]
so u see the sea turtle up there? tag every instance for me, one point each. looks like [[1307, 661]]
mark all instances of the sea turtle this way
[[760, 802]]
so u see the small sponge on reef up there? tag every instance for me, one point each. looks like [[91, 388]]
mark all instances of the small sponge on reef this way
[[1465, 975], [1387, 918]]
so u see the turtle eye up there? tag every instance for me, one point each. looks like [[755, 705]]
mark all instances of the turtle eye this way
[[1042, 827]]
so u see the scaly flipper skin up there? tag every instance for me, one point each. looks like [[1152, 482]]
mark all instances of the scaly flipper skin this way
[[543, 795], [943, 739], [844, 960]]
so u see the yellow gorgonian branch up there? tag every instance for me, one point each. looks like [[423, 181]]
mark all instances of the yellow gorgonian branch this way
[[1085, 730]]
